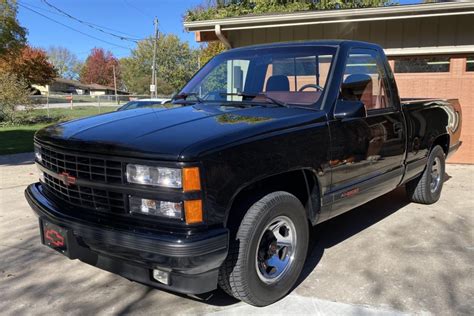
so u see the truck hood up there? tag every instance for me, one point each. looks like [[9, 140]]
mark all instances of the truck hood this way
[[181, 133]]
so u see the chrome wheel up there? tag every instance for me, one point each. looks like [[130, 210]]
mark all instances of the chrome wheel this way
[[435, 175], [276, 249]]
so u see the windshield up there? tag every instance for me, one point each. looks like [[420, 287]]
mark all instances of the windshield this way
[[290, 75]]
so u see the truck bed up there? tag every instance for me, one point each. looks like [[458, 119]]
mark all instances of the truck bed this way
[[427, 116]]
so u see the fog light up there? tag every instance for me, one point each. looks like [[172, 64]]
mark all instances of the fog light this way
[[161, 276], [156, 208]]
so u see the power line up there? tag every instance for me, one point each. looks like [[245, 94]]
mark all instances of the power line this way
[[144, 13], [43, 9], [71, 28], [117, 31], [91, 25], [138, 9], [62, 15]]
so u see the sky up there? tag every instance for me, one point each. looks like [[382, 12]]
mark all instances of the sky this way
[[129, 18], [132, 17]]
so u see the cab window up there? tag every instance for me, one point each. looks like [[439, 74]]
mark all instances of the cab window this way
[[289, 75], [365, 80]]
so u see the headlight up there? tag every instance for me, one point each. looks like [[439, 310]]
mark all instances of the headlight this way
[[159, 176], [38, 153], [157, 208]]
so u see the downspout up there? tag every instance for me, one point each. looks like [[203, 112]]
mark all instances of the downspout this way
[[221, 37]]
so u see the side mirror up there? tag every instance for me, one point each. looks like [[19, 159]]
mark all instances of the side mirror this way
[[357, 84], [349, 109]]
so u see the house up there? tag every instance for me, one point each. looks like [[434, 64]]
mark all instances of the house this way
[[430, 46], [67, 86]]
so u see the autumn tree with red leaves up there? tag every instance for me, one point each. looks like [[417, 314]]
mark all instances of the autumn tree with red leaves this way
[[98, 68], [30, 65]]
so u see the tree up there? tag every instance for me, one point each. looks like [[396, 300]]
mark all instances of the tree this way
[[77, 69], [12, 35], [64, 61], [176, 63], [13, 91], [98, 68], [30, 65], [209, 50]]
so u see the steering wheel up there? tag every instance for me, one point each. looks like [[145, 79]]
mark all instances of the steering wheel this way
[[311, 85]]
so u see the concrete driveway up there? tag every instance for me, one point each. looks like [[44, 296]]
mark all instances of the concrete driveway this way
[[386, 257]]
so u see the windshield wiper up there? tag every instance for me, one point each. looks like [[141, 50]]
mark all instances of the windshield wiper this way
[[253, 95], [184, 96]]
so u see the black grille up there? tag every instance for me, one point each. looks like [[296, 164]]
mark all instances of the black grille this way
[[82, 167], [86, 197], [88, 168]]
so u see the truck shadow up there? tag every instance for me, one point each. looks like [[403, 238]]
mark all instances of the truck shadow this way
[[344, 226]]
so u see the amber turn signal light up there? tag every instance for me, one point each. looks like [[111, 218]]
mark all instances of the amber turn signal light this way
[[193, 211], [191, 180]]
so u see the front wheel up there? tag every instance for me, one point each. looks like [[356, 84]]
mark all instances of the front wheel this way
[[426, 189], [268, 251]]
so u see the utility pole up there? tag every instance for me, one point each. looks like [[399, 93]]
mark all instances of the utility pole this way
[[153, 72], [115, 84]]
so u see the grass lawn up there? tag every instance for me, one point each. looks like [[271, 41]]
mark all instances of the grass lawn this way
[[76, 112], [19, 139]]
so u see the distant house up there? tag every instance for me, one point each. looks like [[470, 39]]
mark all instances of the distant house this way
[[67, 86]]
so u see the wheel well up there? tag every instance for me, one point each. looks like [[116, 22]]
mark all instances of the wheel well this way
[[443, 141], [301, 183]]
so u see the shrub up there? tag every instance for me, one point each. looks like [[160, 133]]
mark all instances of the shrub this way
[[14, 92], [30, 117], [219, 9]]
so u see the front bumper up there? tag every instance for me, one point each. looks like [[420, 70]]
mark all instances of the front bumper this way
[[193, 261]]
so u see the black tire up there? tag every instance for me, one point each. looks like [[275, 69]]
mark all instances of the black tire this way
[[420, 189], [238, 275]]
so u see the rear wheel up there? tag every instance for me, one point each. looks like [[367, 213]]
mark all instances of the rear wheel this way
[[426, 189], [268, 250]]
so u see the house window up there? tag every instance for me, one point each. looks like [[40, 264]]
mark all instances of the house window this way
[[470, 63], [417, 64]]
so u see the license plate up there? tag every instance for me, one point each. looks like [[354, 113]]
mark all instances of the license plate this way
[[54, 236]]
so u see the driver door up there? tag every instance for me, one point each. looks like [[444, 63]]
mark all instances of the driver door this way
[[367, 153]]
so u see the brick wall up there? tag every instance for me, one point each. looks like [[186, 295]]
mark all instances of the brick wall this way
[[457, 84]]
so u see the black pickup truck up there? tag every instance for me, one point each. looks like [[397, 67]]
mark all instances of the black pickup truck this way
[[222, 189]]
